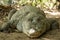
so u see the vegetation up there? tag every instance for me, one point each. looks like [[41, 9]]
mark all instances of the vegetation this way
[[39, 3], [44, 4]]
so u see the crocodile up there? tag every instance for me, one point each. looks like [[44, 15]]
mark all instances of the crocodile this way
[[29, 20]]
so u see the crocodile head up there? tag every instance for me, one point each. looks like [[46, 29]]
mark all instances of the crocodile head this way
[[34, 25]]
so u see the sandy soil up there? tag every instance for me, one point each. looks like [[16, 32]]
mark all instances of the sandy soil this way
[[50, 35]]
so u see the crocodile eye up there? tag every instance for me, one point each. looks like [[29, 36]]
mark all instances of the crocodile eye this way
[[30, 19], [38, 19]]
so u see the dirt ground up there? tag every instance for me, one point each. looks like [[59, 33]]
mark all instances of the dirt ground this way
[[50, 35]]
